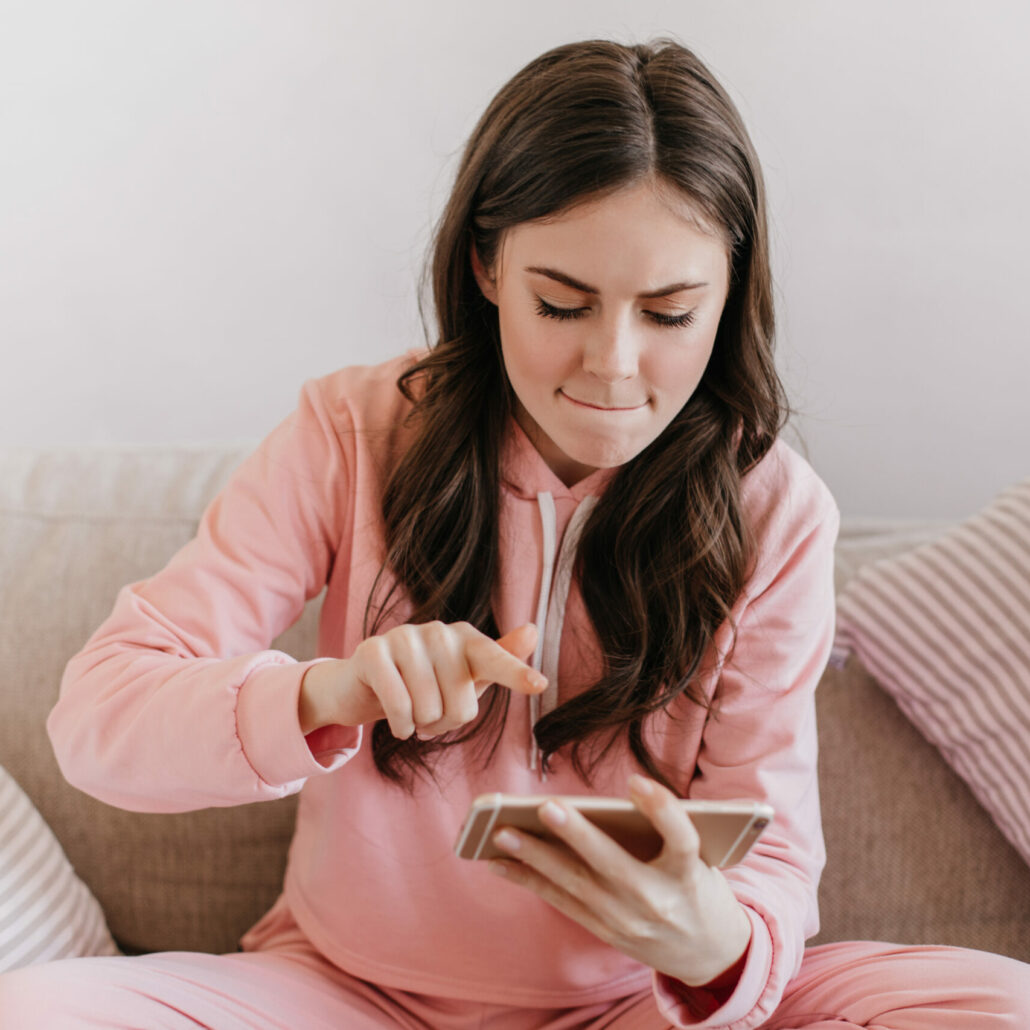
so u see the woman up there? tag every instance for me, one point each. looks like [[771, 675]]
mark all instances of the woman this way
[[565, 553]]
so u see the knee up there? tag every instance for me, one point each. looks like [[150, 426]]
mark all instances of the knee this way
[[25, 994], [52, 994], [1006, 985]]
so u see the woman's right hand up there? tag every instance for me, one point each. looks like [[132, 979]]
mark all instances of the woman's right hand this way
[[425, 679]]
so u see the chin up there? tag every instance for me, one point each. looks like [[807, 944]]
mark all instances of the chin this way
[[603, 457]]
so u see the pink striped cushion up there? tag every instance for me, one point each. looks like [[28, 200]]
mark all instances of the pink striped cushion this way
[[945, 629], [46, 911]]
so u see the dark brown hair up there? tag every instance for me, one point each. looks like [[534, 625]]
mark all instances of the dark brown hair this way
[[666, 551]]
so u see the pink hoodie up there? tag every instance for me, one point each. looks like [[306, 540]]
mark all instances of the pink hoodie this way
[[176, 703]]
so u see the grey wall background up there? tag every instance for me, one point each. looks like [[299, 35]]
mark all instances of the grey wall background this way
[[205, 202]]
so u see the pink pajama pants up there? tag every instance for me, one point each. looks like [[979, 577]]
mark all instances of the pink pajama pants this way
[[285, 984]]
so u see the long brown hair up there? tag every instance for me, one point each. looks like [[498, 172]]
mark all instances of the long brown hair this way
[[667, 550]]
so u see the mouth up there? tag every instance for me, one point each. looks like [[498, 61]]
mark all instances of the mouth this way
[[600, 407]]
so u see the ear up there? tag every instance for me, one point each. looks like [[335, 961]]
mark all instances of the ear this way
[[486, 282]]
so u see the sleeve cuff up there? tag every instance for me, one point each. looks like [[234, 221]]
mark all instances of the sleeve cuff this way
[[706, 1007], [269, 729]]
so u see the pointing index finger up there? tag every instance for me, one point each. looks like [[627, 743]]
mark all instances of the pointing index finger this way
[[490, 663]]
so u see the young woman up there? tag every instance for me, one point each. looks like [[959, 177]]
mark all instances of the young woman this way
[[566, 553]]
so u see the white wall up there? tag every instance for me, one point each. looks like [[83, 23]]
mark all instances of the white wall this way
[[204, 203]]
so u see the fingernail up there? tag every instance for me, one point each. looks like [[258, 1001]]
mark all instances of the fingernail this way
[[538, 680], [639, 785], [507, 840], [498, 867], [553, 814]]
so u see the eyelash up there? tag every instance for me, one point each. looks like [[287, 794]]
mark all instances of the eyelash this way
[[563, 314]]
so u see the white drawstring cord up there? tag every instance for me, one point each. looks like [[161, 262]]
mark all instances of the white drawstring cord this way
[[551, 605], [549, 523]]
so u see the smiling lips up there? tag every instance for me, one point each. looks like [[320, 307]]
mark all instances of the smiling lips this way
[[599, 407]]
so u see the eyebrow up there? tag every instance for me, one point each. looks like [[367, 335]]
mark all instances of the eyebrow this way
[[561, 277]]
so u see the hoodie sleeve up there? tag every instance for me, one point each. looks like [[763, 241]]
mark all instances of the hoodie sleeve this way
[[760, 742], [175, 702]]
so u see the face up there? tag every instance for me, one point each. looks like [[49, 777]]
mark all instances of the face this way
[[608, 315]]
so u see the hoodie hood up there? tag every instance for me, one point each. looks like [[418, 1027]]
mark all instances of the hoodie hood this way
[[526, 474]]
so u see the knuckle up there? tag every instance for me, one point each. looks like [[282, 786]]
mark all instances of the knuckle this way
[[410, 636], [636, 929], [653, 910], [430, 712], [691, 844], [613, 872], [696, 876], [467, 711], [461, 705], [572, 882], [378, 651], [440, 639], [397, 714], [375, 650], [436, 729], [396, 704]]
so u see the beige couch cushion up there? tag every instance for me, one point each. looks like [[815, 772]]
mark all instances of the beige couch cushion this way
[[911, 855], [75, 526]]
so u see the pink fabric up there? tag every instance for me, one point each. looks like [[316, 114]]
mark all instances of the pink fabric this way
[[176, 702], [285, 983]]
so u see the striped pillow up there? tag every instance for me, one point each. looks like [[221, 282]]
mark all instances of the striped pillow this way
[[46, 911], [945, 630]]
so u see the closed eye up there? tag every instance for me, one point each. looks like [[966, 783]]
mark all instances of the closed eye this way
[[562, 314], [550, 311], [677, 321]]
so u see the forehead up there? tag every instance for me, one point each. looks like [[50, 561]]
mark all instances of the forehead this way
[[629, 236]]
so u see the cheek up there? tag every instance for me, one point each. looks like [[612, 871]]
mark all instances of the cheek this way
[[535, 354], [676, 371]]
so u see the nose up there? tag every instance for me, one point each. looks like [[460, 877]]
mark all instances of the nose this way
[[611, 353]]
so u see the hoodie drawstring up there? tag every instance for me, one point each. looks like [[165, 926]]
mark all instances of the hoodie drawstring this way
[[549, 522], [550, 612]]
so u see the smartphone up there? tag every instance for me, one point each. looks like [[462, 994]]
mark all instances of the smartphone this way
[[727, 828]]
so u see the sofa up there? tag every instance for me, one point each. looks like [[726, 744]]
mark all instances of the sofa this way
[[913, 856]]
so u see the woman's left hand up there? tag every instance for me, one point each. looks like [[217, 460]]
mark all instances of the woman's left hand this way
[[675, 913]]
